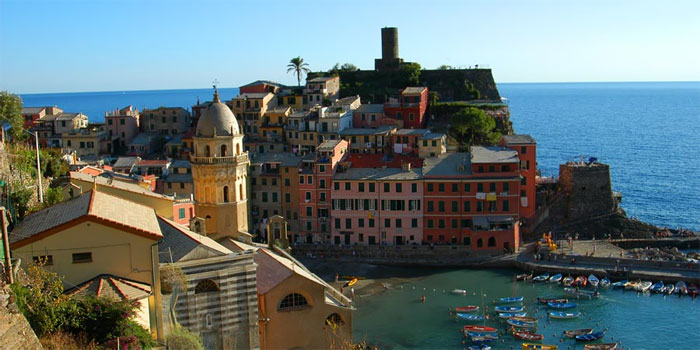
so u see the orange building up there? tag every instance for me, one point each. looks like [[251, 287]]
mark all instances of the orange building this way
[[526, 146]]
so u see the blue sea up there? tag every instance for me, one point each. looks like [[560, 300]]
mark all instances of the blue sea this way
[[647, 132]]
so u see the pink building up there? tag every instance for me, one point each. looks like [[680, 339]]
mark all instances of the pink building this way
[[315, 176], [121, 125], [378, 206]]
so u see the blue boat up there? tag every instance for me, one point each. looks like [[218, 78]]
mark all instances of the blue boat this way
[[604, 282], [479, 347], [556, 278], [562, 305], [590, 336], [468, 317], [484, 339], [620, 284], [509, 300], [522, 324], [564, 315], [507, 315], [657, 287], [478, 334], [541, 278], [509, 308]]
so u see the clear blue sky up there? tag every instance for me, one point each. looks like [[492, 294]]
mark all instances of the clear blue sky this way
[[56, 46]]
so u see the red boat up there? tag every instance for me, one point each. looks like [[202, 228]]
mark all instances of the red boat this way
[[580, 281], [468, 308], [525, 335], [549, 300], [482, 329], [692, 290]]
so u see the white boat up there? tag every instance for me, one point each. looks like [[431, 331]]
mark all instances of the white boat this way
[[593, 281], [567, 281], [541, 278], [604, 282], [668, 289], [555, 279], [643, 286], [459, 291]]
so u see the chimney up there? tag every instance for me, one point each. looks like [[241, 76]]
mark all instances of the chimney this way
[[406, 166]]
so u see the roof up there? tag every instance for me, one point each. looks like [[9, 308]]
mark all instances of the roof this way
[[493, 154], [217, 120], [153, 162], [412, 132], [110, 286], [95, 205], [432, 135], [179, 178], [69, 116], [142, 139], [367, 131], [319, 79], [413, 90], [125, 162], [378, 160], [107, 180], [328, 144], [447, 164], [91, 170], [278, 109], [379, 174], [181, 163], [285, 159], [254, 95], [521, 139], [267, 82], [176, 140], [370, 108], [178, 242], [347, 100], [32, 110]]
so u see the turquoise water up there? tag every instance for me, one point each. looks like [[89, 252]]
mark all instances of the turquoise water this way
[[396, 319]]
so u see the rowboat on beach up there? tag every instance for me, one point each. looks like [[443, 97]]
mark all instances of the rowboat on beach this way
[[620, 284], [576, 332], [541, 278], [555, 279], [521, 324], [468, 308], [604, 282], [590, 336], [509, 308], [567, 281], [564, 315], [525, 335], [529, 346], [545, 300], [459, 291], [483, 329], [468, 317], [561, 305], [484, 338], [507, 315], [604, 346]]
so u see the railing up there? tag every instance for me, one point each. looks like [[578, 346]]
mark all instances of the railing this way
[[218, 160]]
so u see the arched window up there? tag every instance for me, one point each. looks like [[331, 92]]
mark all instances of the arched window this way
[[208, 321], [238, 149], [223, 150], [293, 301], [205, 286], [207, 152], [479, 243], [240, 190], [225, 194], [492, 241], [334, 319]]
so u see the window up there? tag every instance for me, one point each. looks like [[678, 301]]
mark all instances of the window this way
[[205, 286], [492, 187], [480, 169], [370, 222], [43, 260], [301, 180], [441, 223], [455, 187], [334, 320], [287, 198], [109, 122], [523, 193], [322, 168], [398, 223], [430, 223], [360, 222], [492, 241], [479, 243], [479, 187], [430, 187], [441, 206], [479, 206], [386, 187], [337, 223], [430, 237], [336, 186], [322, 196], [274, 197], [505, 187], [523, 181], [348, 223], [454, 223], [347, 186], [398, 187], [310, 180], [506, 205], [441, 187], [286, 182], [82, 258], [181, 213], [430, 207], [467, 206], [414, 188], [264, 197], [322, 183], [523, 150], [309, 212], [293, 301], [371, 187], [361, 186], [387, 222], [121, 121]]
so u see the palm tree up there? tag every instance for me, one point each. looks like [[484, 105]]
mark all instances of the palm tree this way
[[299, 68]]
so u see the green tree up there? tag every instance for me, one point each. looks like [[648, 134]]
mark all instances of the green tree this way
[[53, 195], [20, 196], [52, 163], [409, 74], [471, 126], [11, 112], [346, 67], [298, 67], [445, 67]]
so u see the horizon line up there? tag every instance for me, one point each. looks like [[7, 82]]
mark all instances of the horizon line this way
[[505, 82]]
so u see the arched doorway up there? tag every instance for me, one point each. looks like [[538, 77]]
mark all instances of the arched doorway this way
[[225, 194], [223, 150]]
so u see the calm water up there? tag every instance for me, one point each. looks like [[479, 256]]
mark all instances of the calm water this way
[[647, 132], [396, 319]]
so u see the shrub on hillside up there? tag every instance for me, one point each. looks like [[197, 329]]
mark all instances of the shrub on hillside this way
[[182, 339]]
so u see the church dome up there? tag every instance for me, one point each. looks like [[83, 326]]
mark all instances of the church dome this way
[[217, 120]]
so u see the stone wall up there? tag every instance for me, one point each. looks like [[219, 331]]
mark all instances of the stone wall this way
[[15, 332], [588, 189]]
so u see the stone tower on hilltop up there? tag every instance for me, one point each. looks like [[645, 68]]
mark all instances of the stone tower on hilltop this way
[[219, 173]]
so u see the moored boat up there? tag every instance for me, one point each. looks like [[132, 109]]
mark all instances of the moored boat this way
[[541, 278], [593, 281], [692, 290], [604, 346], [509, 308], [643, 286], [555, 279], [479, 347], [561, 305], [507, 315], [590, 336], [567, 281], [564, 315], [545, 300], [529, 346], [459, 291], [668, 289], [573, 333], [524, 319], [508, 300], [589, 294], [484, 338], [604, 282], [681, 288], [468, 317], [523, 277], [468, 308], [657, 287], [483, 329], [580, 281], [632, 285], [521, 324], [525, 335], [620, 284]]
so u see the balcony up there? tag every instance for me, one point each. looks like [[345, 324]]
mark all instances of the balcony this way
[[219, 160]]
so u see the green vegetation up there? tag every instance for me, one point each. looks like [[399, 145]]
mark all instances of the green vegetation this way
[[346, 67], [40, 297], [445, 67], [299, 67], [182, 339], [11, 112], [471, 126]]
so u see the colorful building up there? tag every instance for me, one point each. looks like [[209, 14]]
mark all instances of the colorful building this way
[[250, 109], [122, 125], [375, 140], [409, 107], [526, 146], [321, 89], [370, 115], [166, 121]]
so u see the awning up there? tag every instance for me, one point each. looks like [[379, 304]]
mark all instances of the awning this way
[[491, 196], [480, 221], [500, 219]]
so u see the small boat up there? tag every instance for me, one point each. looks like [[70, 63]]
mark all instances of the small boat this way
[[541, 278], [507, 315], [603, 346], [523, 277], [482, 329], [459, 291], [604, 283], [564, 315], [593, 281], [468, 317], [561, 305], [692, 290], [508, 300], [351, 282], [478, 334], [543, 300], [657, 287], [681, 288], [576, 332], [521, 324], [590, 337], [555, 279], [479, 347], [620, 284], [580, 281], [509, 308], [525, 335], [668, 289], [484, 338], [524, 319], [468, 308], [528, 346], [589, 294], [567, 281], [632, 284], [643, 286]]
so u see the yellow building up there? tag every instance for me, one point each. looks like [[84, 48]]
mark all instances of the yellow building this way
[[274, 120], [250, 109], [431, 145], [220, 173], [84, 142]]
